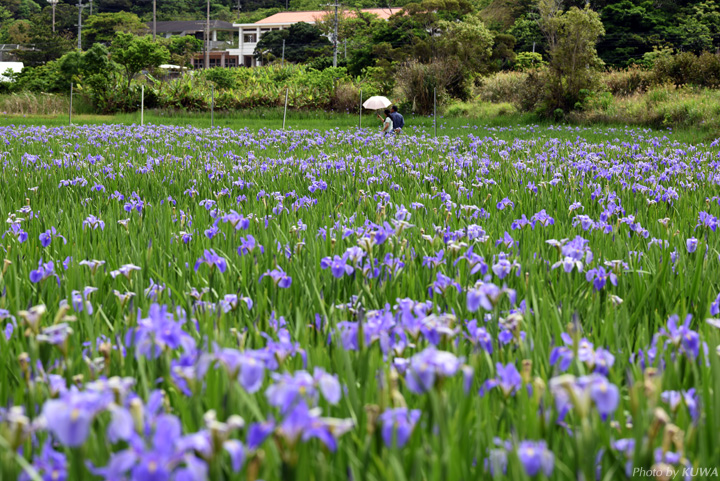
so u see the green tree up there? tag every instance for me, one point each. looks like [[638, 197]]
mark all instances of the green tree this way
[[302, 42], [136, 53], [182, 49], [571, 38], [698, 30], [632, 29], [469, 41], [526, 31], [102, 27]]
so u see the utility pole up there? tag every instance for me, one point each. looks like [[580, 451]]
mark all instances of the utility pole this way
[[207, 37], [154, 19], [335, 36], [80, 7], [54, 4]]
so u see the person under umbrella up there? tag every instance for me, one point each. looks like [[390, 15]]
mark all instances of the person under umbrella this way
[[387, 123]]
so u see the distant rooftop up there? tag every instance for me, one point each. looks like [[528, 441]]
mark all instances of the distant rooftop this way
[[313, 16], [190, 26]]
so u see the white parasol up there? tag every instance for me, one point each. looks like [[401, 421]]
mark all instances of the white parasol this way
[[377, 102]]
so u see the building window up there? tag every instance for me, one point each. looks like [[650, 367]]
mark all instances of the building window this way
[[231, 62], [250, 38]]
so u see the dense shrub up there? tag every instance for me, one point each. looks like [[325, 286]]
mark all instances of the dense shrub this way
[[419, 82], [686, 68], [223, 78], [502, 87], [628, 81]]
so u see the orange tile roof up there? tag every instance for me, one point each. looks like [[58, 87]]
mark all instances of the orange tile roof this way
[[314, 15]]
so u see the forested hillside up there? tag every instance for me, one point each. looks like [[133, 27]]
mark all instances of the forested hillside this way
[[632, 27]]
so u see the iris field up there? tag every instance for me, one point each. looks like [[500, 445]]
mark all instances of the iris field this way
[[513, 303]]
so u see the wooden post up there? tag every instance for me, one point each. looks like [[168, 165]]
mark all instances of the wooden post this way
[[71, 98], [142, 105], [287, 90], [212, 106]]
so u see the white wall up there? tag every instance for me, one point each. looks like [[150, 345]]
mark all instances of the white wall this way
[[15, 67]]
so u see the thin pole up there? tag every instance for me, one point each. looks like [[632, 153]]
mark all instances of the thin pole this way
[[142, 105], [335, 37], [533, 47], [54, 4], [287, 90], [435, 110], [154, 19], [212, 106], [360, 121], [91, 7], [207, 37], [71, 98], [80, 7], [283, 53]]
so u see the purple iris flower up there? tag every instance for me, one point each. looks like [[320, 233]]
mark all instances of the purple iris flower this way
[[681, 336], [211, 232], [487, 295], [51, 465], [474, 261], [507, 241], [568, 390], [279, 277], [289, 390], [17, 231], [93, 223], [715, 307], [338, 265], [689, 398], [691, 244], [164, 455], [443, 283], [605, 395], [44, 271], [504, 203], [304, 423], [47, 237], [211, 258], [69, 417], [258, 433], [158, 332], [599, 277], [429, 365], [249, 244], [398, 425], [479, 336], [433, 262], [507, 378], [536, 457], [246, 368]]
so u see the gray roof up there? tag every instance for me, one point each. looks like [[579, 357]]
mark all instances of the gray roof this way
[[190, 25]]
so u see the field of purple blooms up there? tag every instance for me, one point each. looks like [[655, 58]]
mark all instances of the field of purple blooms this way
[[193, 304]]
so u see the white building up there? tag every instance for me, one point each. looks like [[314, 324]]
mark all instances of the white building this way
[[250, 33]]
